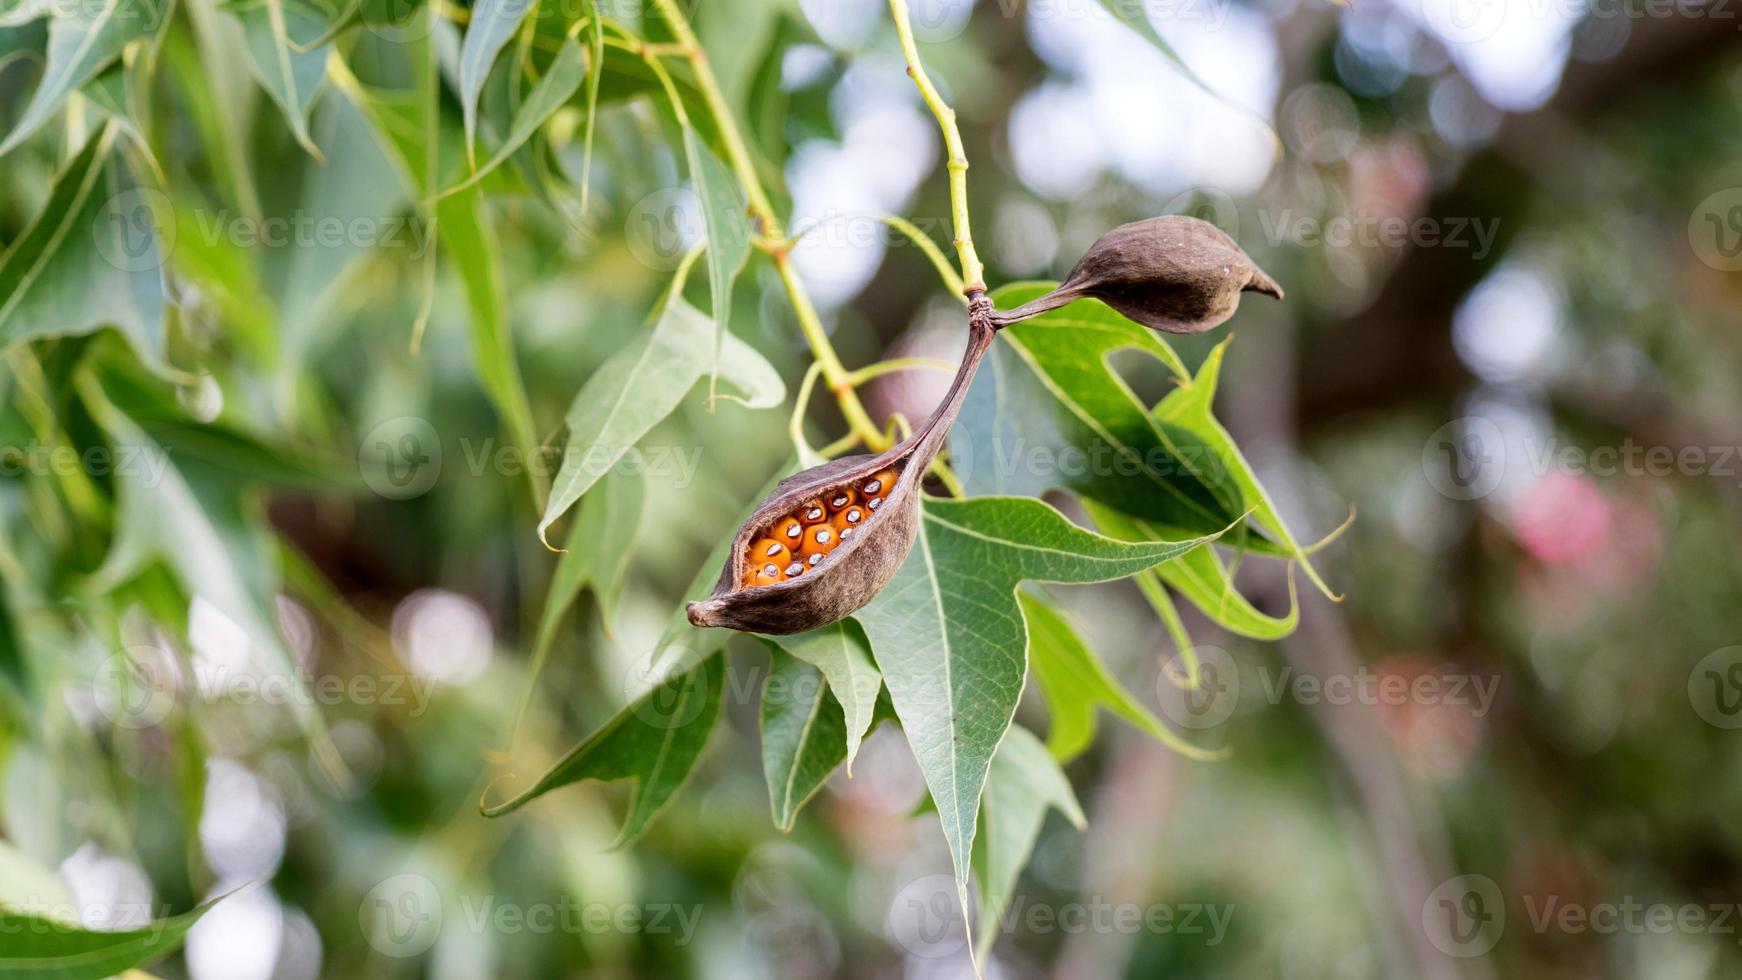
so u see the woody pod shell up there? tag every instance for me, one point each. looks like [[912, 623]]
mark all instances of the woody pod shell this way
[[1174, 273], [859, 568]]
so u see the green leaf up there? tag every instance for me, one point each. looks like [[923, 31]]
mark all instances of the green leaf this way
[[357, 182], [89, 259], [1074, 683], [597, 553], [44, 949], [1050, 412], [274, 31], [466, 238], [552, 92], [950, 638], [1024, 782], [804, 736], [199, 524], [655, 742], [493, 23], [728, 236], [1201, 577], [81, 43], [843, 654], [638, 386], [1190, 407], [595, 75]]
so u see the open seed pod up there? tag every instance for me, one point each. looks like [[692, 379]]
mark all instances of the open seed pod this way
[[858, 557], [1173, 273]]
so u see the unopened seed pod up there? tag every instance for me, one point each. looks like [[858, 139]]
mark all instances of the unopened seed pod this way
[[1173, 273], [837, 583]]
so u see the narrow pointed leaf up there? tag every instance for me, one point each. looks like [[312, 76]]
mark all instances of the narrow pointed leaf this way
[[90, 258], [639, 386], [1023, 783], [196, 521], [1136, 18], [595, 555], [45, 949], [843, 654], [274, 31], [1189, 407], [804, 736], [655, 742], [493, 23], [553, 91], [728, 234], [80, 45], [1074, 684], [1201, 577]]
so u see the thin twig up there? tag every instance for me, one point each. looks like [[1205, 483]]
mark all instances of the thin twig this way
[[973, 273]]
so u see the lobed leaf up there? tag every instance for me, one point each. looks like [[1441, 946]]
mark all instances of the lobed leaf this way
[[950, 638], [1050, 412]]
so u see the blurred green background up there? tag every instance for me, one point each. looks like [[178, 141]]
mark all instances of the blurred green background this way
[[1511, 236]]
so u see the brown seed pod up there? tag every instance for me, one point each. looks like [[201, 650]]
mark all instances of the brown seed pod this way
[[1173, 273], [844, 579]]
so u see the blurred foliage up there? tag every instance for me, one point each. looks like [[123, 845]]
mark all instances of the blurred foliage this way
[[316, 318]]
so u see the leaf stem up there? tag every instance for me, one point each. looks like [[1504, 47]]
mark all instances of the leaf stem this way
[[931, 250], [973, 273], [895, 364]]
